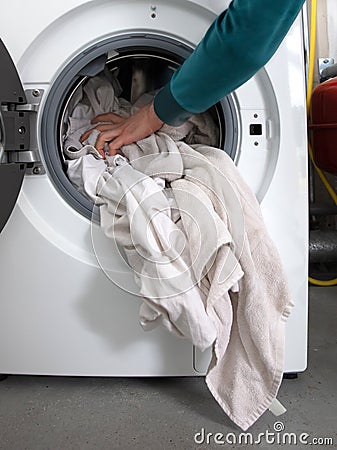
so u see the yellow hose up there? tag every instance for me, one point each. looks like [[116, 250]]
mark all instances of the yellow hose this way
[[312, 46], [313, 34], [316, 282]]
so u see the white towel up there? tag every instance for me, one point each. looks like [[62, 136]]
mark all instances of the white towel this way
[[209, 273]]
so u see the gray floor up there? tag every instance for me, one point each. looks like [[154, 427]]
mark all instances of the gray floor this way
[[76, 413]]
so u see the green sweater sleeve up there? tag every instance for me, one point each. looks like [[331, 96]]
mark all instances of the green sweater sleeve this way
[[238, 43]]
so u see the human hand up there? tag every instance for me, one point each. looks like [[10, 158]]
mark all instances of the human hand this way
[[123, 131]]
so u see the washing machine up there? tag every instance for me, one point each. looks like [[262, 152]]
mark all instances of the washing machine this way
[[59, 312]]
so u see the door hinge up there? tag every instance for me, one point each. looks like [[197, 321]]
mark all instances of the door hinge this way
[[20, 140]]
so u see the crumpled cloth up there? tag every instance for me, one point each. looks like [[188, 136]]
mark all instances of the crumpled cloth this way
[[203, 260]]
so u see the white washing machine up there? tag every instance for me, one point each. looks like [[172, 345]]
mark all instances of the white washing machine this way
[[59, 313]]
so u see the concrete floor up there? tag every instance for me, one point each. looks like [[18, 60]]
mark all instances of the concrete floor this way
[[101, 413]]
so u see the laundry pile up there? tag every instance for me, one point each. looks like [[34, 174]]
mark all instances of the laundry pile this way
[[194, 235]]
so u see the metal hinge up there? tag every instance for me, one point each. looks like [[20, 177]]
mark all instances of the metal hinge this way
[[21, 141]]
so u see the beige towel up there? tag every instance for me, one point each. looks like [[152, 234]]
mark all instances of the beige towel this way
[[212, 274], [247, 364], [246, 378]]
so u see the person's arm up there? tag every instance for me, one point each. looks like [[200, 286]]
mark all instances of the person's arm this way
[[238, 43]]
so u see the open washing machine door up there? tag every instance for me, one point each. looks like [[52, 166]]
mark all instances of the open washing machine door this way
[[14, 135], [18, 156]]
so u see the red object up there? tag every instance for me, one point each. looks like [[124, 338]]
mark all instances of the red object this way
[[324, 125]]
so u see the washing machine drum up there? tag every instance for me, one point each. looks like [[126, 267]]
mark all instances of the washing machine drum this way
[[143, 64]]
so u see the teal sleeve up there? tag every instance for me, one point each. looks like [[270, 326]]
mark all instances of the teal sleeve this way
[[238, 43]]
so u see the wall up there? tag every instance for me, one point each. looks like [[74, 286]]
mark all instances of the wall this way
[[326, 28], [332, 27], [322, 29]]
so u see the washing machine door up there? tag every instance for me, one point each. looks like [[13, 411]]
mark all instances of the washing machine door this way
[[14, 135]]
